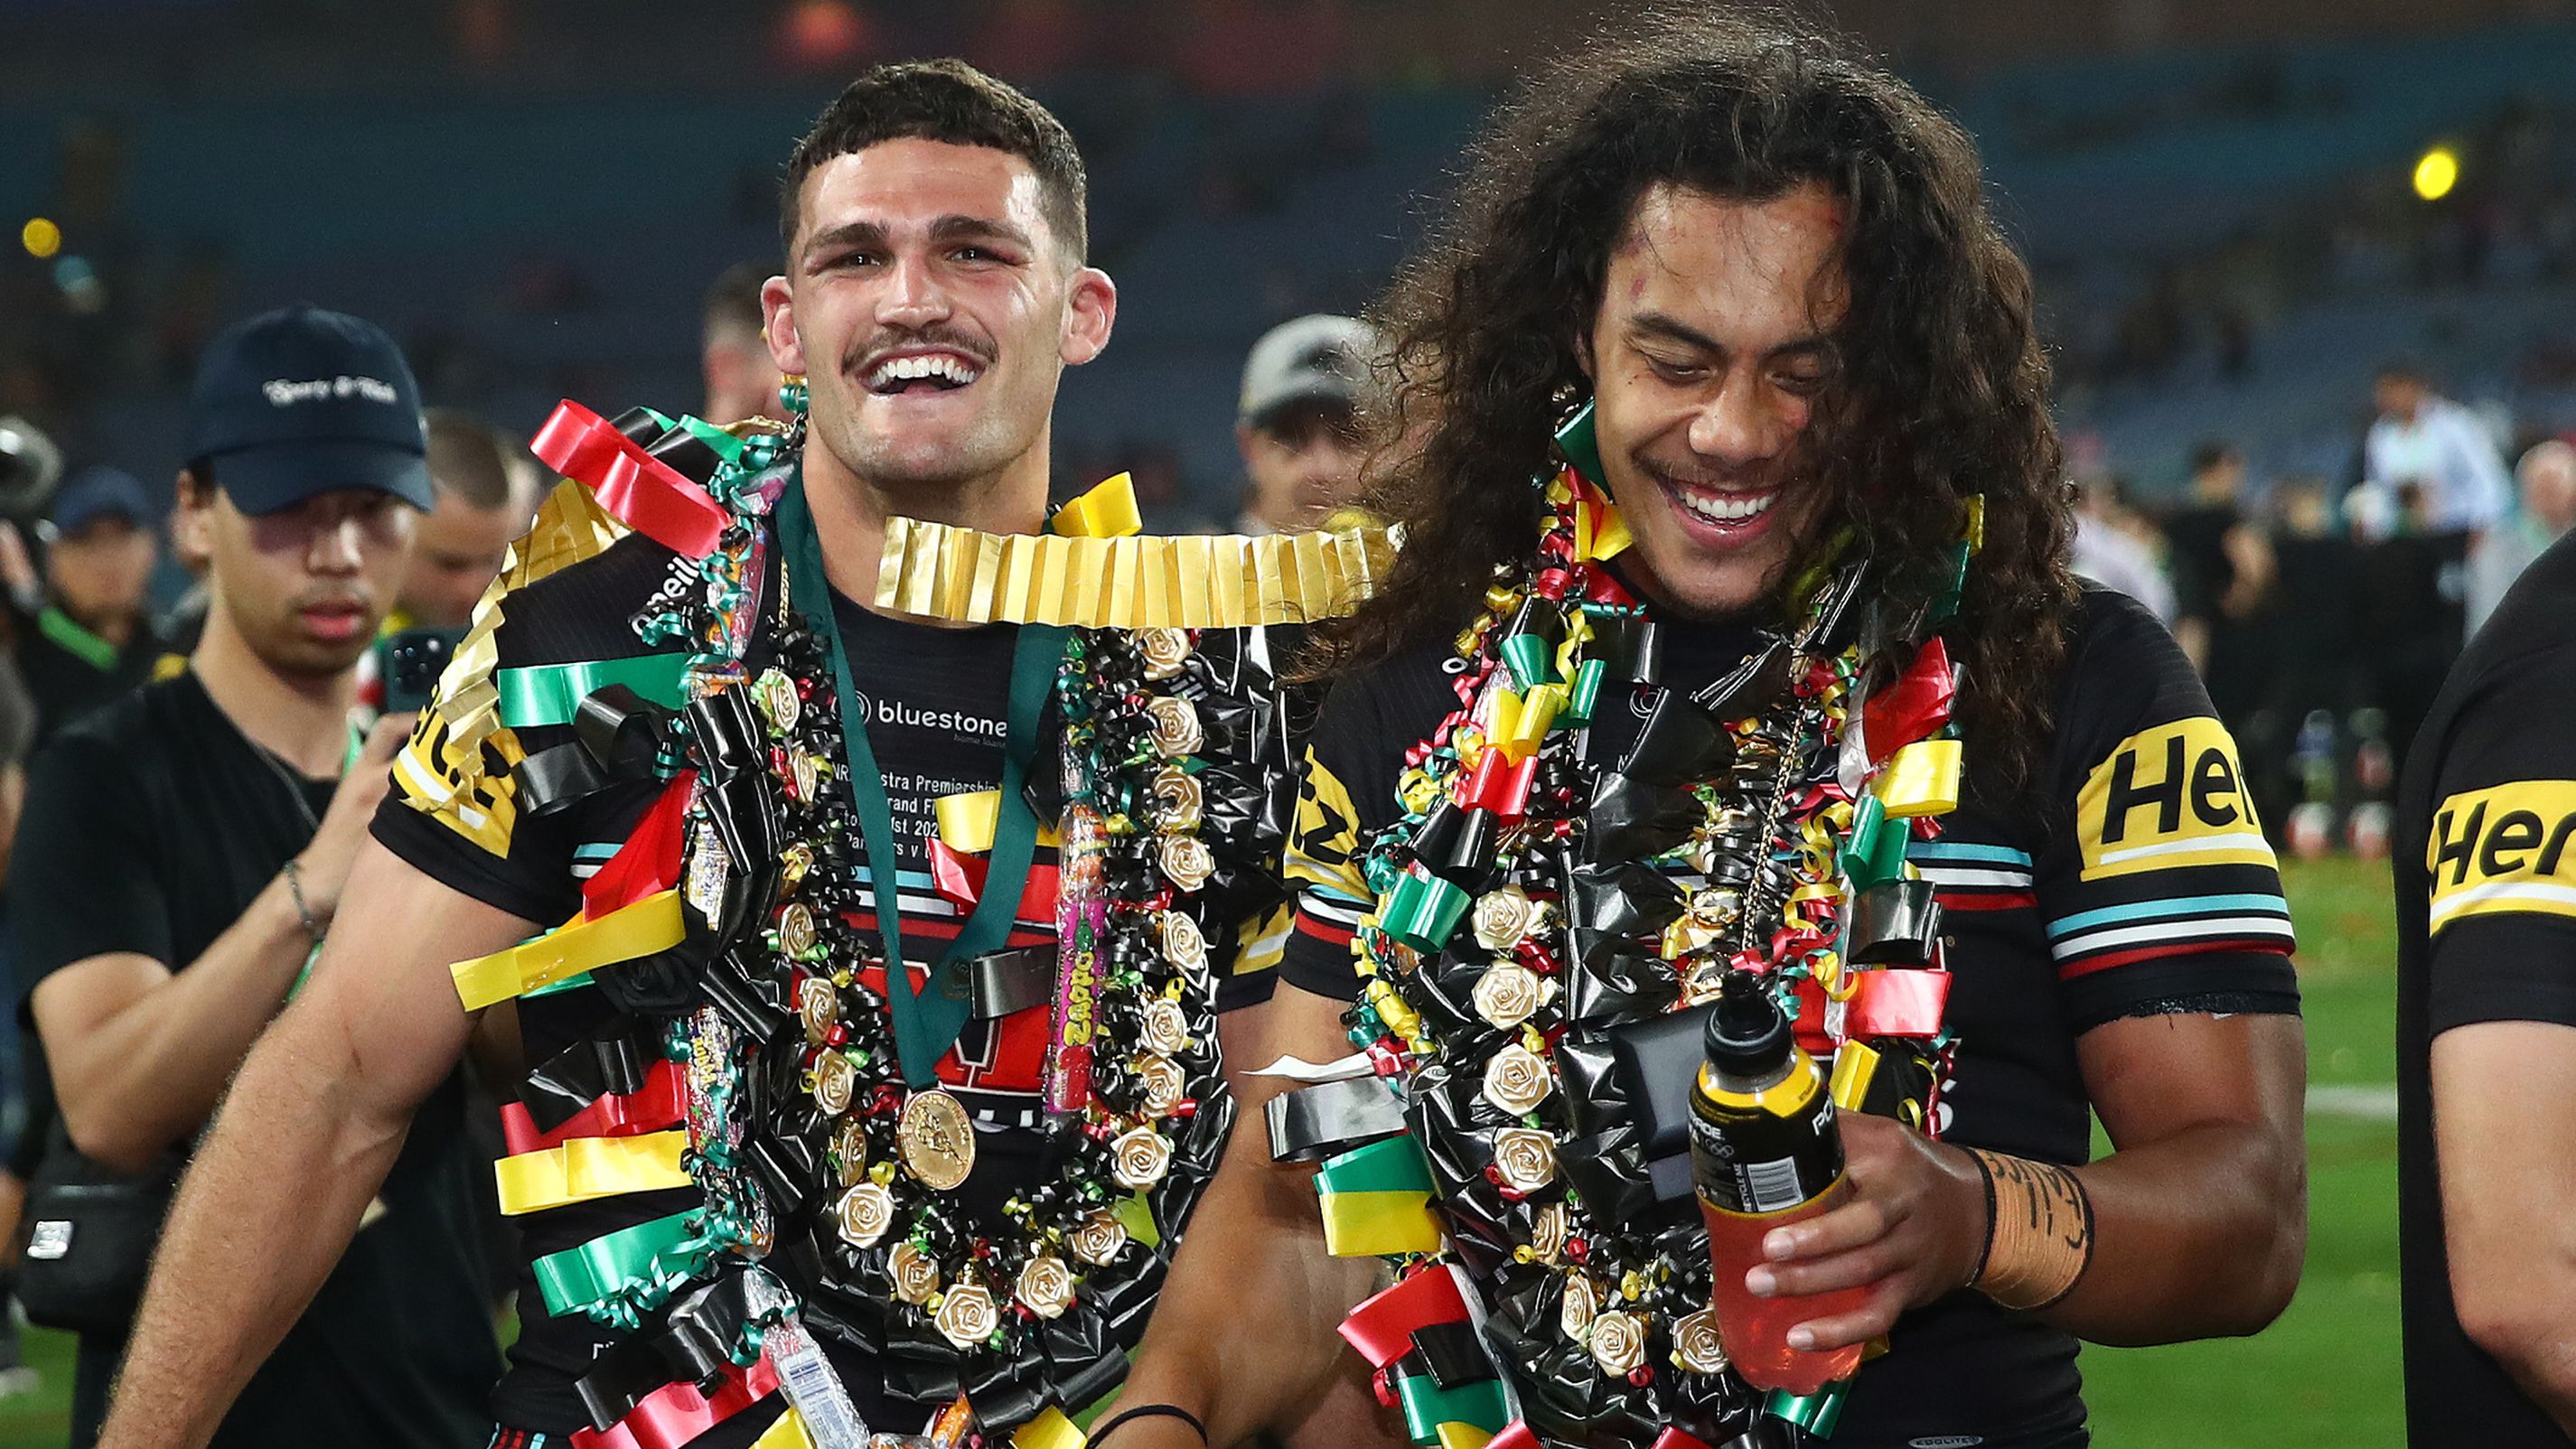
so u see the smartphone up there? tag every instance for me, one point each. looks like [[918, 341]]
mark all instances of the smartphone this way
[[413, 659]]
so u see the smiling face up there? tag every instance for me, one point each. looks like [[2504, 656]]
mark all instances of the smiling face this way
[[1708, 357], [932, 311]]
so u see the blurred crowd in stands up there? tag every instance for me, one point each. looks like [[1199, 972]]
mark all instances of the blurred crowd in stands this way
[[2324, 612]]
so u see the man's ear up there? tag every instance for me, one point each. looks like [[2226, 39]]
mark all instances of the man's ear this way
[[1091, 309], [1583, 352], [191, 538], [778, 327]]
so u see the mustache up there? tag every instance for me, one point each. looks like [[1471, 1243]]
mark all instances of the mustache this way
[[898, 339], [1753, 478]]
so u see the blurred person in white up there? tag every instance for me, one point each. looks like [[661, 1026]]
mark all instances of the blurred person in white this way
[[2118, 549], [1296, 422], [488, 489], [742, 380], [2423, 438], [2547, 479]]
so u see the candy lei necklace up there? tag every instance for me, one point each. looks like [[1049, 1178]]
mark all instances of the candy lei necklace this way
[[803, 1136], [1524, 938]]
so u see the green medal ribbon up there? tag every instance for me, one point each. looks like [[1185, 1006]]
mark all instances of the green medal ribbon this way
[[926, 1024]]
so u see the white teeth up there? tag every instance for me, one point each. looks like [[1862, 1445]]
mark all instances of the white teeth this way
[[1726, 507], [913, 369]]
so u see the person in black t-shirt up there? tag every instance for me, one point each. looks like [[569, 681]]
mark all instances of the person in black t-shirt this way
[[1766, 264], [2486, 1058], [935, 291], [185, 849]]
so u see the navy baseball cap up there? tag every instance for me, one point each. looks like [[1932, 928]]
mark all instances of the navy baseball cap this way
[[95, 493], [302, 401]]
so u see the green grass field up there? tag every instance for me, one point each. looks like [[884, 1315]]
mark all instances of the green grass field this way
[[2325, 1375]]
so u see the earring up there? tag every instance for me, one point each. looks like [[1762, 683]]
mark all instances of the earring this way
[[792, 394]]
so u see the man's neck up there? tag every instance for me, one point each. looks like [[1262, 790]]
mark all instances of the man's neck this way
[[302, 719], [850, 512]]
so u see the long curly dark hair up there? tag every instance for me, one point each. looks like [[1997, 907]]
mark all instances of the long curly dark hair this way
[[1939, 386]]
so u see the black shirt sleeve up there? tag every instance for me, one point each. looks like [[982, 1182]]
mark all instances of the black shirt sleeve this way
[[455, 811], [2503, 894], [82, 877], [2157, 888], [1346, 795]]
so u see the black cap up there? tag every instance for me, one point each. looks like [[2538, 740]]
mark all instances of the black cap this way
[[302, 401], [1747, 1034], [94, 493]]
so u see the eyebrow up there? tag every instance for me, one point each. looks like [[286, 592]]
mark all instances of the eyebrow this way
[[869, 234], [1664, 324]]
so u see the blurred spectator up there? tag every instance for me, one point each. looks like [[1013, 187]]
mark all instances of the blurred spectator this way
[[2222, 568], [91, 638], [742, 381], [487, 491], [2437, 445], [31, 1094], [190, 843], [2313, 685], [2120, 550], [2547, 479], [2409, 609], [1297, 422]]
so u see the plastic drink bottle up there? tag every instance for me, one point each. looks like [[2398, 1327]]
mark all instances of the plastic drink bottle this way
[[1765, 1151]]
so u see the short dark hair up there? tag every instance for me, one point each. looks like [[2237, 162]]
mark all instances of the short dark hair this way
[[950, 101], [2208, 455], [734, 299], [471, 459]]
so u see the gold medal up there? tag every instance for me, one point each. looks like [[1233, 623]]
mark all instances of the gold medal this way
[[796, 933], [834, 1080], [936, 1141]]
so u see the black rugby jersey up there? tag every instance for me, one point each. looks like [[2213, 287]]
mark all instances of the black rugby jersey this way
[[936, 702], [2134, 880], [2486, 931]]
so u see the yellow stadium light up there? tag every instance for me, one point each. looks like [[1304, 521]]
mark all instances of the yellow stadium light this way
[[2437, 173], [40, 237]]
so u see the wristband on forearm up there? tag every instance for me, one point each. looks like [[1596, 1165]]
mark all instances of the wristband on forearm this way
[[1148, 1411], [2039, 1231]]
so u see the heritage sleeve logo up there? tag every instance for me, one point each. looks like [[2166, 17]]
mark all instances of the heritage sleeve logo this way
[[1322, 848], [2169, 797], [2504, 849]]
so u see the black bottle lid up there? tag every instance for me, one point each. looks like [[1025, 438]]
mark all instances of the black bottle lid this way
[[1747, 1034]]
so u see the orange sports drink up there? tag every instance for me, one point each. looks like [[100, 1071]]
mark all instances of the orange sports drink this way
[[1765, 1151]]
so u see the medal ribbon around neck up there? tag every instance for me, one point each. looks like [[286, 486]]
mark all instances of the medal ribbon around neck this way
[[926, 1025]]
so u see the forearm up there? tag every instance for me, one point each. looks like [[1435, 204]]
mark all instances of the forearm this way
[[1243, 1334], [265, 1210], [2197, 1235], [144, 1078]]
